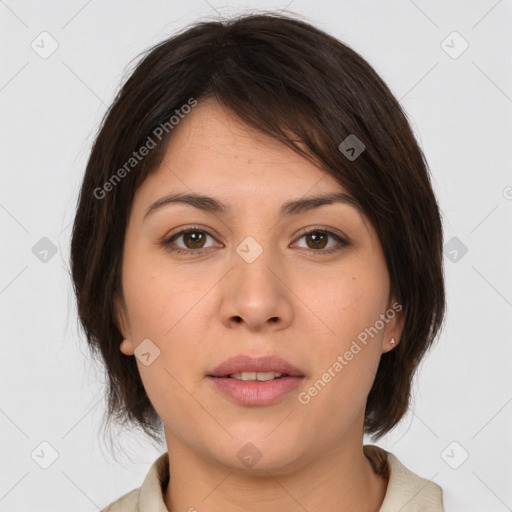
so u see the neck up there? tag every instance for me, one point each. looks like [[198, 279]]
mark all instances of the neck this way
[[340, 481]]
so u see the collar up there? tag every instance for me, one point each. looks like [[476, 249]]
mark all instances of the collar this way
[[406, 491]]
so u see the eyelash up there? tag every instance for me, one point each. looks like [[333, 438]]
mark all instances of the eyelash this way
[[193, 229]]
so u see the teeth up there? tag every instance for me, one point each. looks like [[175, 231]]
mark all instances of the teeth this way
[[261, 376]]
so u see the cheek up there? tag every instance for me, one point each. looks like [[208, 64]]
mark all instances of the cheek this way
[[352, 298], [349, 304], [162, 310], [344, 366], [163, 303], [158, 295]]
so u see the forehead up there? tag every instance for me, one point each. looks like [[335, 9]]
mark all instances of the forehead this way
[[212, 150]]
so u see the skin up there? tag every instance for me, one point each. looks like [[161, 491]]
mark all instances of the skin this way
[[200, 310]]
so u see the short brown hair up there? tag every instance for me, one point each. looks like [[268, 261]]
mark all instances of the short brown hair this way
[[306, 89]]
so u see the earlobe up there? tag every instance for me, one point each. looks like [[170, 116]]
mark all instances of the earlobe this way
[[392, 336], [389, 344], [126, 347]]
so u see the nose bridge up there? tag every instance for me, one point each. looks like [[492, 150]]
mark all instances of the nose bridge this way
[[253, 263], [256, 247], [253, 291]]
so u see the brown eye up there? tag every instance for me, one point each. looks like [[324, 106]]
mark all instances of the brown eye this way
[[318, 239], [191, 241]]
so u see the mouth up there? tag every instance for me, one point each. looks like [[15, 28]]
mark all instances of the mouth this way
[[255, 392], [253, 376], [256, 381], [263, 368]]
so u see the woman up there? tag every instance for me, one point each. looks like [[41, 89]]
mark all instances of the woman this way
[[257, 257]]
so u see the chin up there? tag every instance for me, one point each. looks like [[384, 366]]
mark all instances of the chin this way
[[260, 455]]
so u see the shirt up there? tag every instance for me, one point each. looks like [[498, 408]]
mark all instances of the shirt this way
[[406, 491]]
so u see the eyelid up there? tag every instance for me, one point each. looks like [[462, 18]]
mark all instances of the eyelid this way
[[342, 239], [190, 227], [328, 229], [183, 230]]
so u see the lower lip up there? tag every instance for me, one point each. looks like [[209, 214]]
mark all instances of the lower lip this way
[[256, 392]]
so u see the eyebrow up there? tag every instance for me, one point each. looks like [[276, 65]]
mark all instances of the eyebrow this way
[[210, 204]]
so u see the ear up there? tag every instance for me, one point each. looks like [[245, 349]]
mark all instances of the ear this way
[[394, 327], [121, 320]]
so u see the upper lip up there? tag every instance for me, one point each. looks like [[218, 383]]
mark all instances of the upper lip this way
[[244, 363]]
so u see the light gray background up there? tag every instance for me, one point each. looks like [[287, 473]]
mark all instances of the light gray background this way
[[461, 112]]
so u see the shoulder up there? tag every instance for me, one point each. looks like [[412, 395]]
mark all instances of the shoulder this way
[[406, 490], [129, 502], [149, 497]]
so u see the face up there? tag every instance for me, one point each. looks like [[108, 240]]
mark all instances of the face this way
[[310, 286]]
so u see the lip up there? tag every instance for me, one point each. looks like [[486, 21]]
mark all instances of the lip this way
[[256, 392], [244, 363]]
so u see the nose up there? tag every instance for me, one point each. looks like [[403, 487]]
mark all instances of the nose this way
[[255, 295]]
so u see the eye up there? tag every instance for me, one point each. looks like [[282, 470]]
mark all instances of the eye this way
[[317, 240], [193, 240]]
